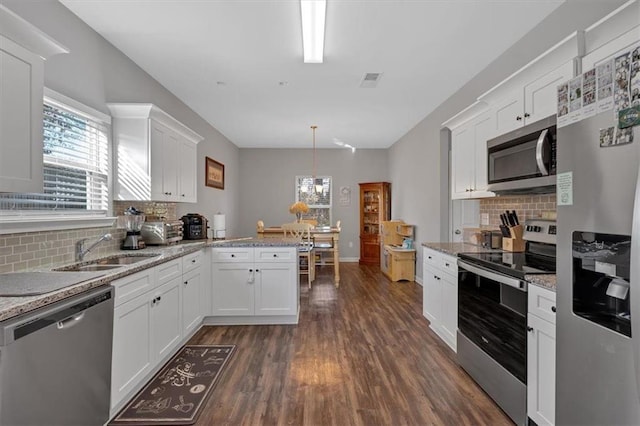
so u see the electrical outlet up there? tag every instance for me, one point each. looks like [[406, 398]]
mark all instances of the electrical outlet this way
[[484, 219], [350, 244]]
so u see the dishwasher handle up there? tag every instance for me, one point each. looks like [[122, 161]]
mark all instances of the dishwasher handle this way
[[71, 321]]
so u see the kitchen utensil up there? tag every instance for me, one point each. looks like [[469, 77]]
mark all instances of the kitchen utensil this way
[[503, 219], [510, 219], [515, 217], [505, 231]]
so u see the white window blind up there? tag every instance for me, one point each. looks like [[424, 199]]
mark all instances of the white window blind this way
[[76, 167], [319, 202]]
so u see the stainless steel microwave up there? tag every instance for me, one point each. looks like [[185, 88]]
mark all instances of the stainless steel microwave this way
[[524, 160]]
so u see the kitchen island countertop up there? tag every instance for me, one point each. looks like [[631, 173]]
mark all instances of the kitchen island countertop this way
[[547, 281]]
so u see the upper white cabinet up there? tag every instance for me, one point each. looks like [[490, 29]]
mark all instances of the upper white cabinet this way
[[23, 50], [470, 131], [156, 156], [613, 33], [529, 94]]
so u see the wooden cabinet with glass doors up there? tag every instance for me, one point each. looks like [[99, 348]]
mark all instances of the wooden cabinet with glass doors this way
[[375, 207]]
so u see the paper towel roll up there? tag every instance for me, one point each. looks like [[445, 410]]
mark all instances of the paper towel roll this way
[[219, 226]]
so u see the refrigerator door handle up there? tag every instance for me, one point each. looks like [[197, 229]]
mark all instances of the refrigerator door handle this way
[[635, 283], [541, 140]]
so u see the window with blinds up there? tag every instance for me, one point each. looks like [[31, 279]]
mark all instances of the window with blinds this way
[[317, 195], [76, 167]]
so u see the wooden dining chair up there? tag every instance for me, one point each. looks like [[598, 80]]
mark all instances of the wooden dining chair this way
[[323, 244], [306, 254]]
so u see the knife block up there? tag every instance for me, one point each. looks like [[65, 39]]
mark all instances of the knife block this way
[[515, 243]]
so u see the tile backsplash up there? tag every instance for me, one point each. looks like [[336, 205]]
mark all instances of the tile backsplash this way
[[526, 206], [47, 249]]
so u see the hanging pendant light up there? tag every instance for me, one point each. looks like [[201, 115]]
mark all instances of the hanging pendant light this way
[[316, 182]]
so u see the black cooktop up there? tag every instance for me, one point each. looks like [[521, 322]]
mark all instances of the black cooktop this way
[[514, 264]]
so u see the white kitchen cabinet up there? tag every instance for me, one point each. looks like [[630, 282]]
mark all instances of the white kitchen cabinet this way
[[440, 294], [469, 157], [534, 100], [541, 355], [155, 311], [132, 357], [156, 156], [530, 94], [274, 294], [192, 292], [23, 49], [254, 285]]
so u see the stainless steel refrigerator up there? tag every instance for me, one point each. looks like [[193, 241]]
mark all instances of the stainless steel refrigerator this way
[[598, 291]]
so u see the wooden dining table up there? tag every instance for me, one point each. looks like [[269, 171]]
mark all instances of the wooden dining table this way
[[325, 238]]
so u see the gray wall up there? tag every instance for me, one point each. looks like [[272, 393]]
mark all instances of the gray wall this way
[[267, 186], [415, 160], [95, 73]]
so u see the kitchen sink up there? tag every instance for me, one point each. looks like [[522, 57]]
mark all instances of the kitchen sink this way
[[109, 263]]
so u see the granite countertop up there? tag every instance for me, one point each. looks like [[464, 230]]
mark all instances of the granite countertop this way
[[456, 248], [14, 306], [547, 281]]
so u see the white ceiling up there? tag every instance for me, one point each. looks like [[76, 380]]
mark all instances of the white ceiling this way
[[426, 50]]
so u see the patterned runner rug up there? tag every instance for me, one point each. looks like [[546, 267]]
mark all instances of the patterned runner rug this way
[[176, 395]]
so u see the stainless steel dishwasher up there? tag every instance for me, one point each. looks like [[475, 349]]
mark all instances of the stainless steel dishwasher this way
[[55, 363]]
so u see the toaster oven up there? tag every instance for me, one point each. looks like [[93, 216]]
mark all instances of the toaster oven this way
[[161, 232]]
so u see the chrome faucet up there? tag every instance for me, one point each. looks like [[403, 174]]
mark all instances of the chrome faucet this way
[[81, 251]]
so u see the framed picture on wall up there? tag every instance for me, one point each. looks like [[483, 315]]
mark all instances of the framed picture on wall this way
[[214, 173]]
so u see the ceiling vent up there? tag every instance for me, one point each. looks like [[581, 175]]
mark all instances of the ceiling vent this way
[[370, 80]]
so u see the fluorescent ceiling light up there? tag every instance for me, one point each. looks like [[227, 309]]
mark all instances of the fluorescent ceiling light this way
[[313, 14]]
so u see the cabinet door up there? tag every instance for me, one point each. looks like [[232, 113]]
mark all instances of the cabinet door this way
[[166, 311], [462, 161], [431, 295], [541, 95], [188, 172], [509, 113], [449, 320], [164, 163], [132, 356], [483, 127], [233, 289], [191, 291], [541, 371], [20, 119], [370, 250], [276, 289]]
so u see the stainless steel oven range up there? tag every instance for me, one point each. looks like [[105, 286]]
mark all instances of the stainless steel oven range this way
[[492, 315]]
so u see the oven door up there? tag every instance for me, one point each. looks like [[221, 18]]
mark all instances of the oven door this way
[[492, 314]]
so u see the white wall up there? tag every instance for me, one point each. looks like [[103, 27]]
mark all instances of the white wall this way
[[95, 72], [267, 186]]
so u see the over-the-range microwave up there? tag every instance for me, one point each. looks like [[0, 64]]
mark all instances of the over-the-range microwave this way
[[524, 160]]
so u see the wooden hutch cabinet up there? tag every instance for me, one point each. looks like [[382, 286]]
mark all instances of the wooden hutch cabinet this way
[[375, 207]]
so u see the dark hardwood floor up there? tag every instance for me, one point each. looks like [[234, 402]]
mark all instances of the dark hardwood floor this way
[[362, 354]]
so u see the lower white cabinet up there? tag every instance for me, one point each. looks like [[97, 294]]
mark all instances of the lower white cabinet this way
[[155, 311], [541, 356], [258, 284], [440, 294]]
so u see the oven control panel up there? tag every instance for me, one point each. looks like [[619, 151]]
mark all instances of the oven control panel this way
[[540, 230]]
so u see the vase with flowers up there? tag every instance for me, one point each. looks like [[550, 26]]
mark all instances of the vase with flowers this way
[[298, 208]]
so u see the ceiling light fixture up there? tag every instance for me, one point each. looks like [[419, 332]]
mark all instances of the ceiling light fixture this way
[[313, 13]]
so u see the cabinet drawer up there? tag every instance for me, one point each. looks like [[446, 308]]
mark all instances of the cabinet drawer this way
[[275, 254], [232, 254], [431, 257], [132, 286], [449, 264], [542, 303], [192, 261], [168, 271]]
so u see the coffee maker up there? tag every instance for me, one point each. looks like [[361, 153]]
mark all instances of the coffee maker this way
[[133, 220], [195, 227]]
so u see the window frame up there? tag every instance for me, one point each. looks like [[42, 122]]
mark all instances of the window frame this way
[[47, 220], [316, 206]]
